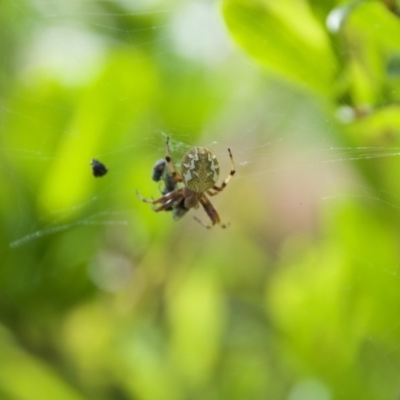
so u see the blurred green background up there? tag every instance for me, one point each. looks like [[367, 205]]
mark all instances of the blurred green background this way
[[101, 298]]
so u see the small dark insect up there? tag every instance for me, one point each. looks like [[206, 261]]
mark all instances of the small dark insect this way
[[159, 169], [98, 168], [198, 177]]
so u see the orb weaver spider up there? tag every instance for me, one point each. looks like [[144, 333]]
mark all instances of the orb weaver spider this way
[[199, 175]]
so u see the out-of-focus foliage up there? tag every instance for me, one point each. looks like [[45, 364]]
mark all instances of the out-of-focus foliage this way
[[101, 298]]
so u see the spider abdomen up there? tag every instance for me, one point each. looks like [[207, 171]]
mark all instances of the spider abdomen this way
[[199, 169]]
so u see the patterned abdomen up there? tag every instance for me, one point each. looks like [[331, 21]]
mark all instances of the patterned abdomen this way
[[199, 169]]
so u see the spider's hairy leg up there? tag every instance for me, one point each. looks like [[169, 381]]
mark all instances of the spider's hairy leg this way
[[164, 207], [212, 214], [162, 199], [171, 166], [150, 201], [166, 201], [218, 189], [208, 226]]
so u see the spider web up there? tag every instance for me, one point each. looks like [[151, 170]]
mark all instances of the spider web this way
[[286, 157]]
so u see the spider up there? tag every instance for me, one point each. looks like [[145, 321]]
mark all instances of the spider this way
[[199, 174]]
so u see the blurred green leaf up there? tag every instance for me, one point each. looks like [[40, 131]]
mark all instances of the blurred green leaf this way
[[285, 38], [196, 313], [25, 377], [371, 34]]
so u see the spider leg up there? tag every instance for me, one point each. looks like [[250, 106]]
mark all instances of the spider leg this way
[[211, 212], [171, 166], [208, 226], [218, 189], [143, 198], [167, 201], [167, 206], [168, 196]]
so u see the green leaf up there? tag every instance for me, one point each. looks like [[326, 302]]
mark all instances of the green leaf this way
[[286, 39]]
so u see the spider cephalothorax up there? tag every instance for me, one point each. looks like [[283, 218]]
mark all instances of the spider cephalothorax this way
[[199, 175]]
